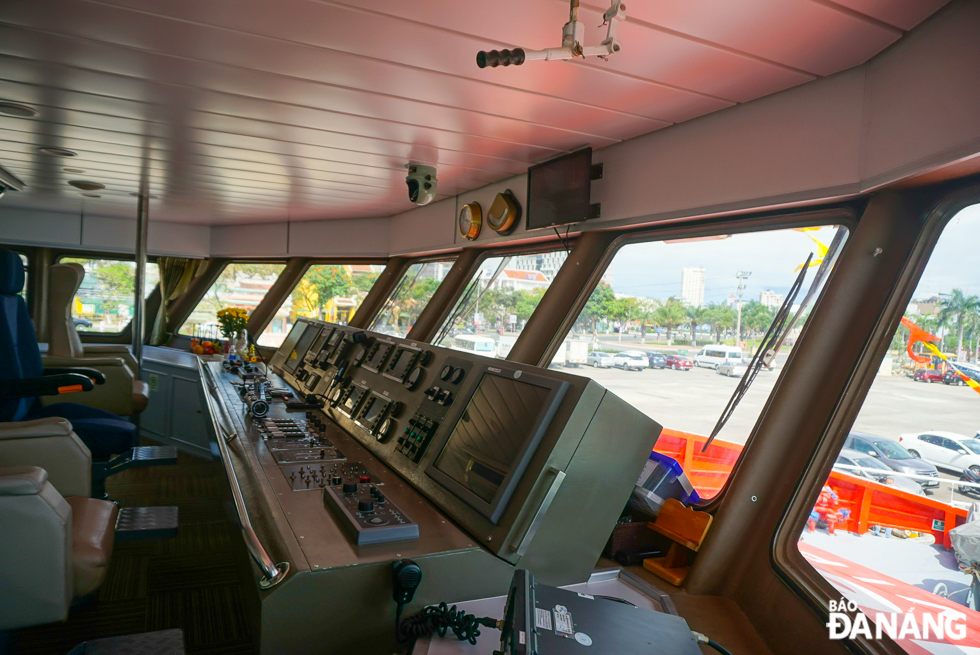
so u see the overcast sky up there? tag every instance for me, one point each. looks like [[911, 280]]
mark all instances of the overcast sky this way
[[654, 269]]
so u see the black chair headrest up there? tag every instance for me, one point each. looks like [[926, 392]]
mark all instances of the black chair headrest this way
[[11, 273]]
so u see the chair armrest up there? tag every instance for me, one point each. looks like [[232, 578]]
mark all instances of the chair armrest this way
[[22, 480], [94, 374], [111, 350], [49, 385], [50, 444]]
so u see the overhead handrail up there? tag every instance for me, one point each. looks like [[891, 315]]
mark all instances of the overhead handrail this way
[[272, 573]]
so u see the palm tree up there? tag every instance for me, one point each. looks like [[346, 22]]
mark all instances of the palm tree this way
[[954, 309], [696, 316], [721, 318], [669, 315]]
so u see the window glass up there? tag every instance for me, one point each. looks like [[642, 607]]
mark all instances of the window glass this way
[[27, 271], [330, 292], [642, 334], [886, 544], [104, 300], [410, 297], [497, 303], [241, 284]]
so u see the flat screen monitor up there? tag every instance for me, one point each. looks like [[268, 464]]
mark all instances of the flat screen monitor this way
[[286, 349], [297, 354], [560, 191], [498, 431]]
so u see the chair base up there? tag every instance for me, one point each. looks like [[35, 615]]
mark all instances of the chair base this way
[[133, 458], [146, 523]]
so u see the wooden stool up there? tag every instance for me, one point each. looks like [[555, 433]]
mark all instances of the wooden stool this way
[[686, 528]]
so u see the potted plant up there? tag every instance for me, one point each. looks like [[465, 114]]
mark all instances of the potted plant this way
[[233, 321]]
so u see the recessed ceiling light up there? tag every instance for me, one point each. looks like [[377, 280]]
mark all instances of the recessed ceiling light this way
[[16, 109], [58, 152], [74, 170], [91, 195], [86, 186]]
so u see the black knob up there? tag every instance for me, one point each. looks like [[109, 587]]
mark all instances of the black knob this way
[[336, 481], [414, 378], [396, 408], [365, 506], [425, 357], [379, 497], [350, 488], [323, 454], [446, 372]]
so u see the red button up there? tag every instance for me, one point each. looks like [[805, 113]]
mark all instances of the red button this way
[[365, 478]]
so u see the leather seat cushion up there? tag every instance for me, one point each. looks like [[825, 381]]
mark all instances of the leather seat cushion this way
[[141, 396], [93, 531]]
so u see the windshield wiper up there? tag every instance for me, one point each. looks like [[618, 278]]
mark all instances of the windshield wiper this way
[[766, 353]]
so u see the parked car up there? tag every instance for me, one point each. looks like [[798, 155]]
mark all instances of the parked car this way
[[82, 322], [732, 369], [715, 356], [678, 363], [947, 450], [952, 378], [631, 360], [657, 360], [598, 359], [927, 375], [881, 473], [893, 455]]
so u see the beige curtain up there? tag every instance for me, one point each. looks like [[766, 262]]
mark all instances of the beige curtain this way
[[175, 276]]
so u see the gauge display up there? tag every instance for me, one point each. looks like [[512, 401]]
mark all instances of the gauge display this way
[[470, 221]]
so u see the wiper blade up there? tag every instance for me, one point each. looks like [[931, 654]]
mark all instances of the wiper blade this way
[[765, 354]]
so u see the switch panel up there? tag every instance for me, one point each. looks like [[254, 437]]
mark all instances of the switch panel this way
[[368, 514], [318, 475], [416, 437]]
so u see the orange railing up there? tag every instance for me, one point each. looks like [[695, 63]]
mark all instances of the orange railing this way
[[870, 503]]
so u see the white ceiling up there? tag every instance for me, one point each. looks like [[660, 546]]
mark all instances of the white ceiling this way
[[243, 111]]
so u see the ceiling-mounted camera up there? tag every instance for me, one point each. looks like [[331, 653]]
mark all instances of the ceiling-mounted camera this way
[[421, 183]]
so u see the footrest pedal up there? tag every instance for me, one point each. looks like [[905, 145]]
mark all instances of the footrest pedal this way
[[146, 523], [153, 456]]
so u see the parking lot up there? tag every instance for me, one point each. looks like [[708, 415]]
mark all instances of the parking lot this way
[[692, 401]]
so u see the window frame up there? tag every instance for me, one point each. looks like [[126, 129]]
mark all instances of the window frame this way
[[840, 215], [787, 561], [197, 301], [488, 253], [119, 257]]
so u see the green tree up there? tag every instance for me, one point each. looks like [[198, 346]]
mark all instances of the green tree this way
[[527, 301], [116, 282], [644, 314], [954, 310], [696, 316], [670, 315], [721, 318], [598, 307], [756, 316], [321, 284]]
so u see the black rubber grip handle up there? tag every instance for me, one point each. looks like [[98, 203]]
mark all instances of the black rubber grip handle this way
[[494, 58]]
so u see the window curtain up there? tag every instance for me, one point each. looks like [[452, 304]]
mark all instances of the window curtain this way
[[176, 275]]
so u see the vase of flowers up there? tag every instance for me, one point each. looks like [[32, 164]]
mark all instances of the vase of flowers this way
[[233, 321]]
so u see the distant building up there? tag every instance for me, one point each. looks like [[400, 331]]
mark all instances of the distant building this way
[[547, 263], [692, 286], [770, 298], [517, 280]]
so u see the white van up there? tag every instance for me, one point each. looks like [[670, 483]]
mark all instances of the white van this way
[[504, 344], [713, 356], [476, 345]]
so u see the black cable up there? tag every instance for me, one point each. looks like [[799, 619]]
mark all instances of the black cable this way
[[718, 647], [439, 619]]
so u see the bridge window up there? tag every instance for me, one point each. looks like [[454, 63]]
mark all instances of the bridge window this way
[[498, 301], [241, 284], [672, 325], [410, 296], [330, 292], [879, 532], [104, 301]]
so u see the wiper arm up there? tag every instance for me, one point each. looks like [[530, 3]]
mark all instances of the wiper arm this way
[[765, 354]]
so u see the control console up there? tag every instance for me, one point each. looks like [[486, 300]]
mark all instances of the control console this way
[[369, 516]]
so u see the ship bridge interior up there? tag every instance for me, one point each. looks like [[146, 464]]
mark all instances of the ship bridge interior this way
[[522, 327]]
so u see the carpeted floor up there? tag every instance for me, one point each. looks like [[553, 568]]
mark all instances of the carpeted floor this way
[[198, 581]]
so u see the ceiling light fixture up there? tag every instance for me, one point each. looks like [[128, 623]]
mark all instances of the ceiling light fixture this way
[[73, 170], [572, 35], [91, 195], [86, 186], [57, 152], [17, 110]]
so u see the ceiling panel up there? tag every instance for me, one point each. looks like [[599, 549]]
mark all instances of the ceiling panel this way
[[238, 111]]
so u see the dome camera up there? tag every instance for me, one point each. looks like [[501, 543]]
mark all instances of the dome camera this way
[[421, 183]]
